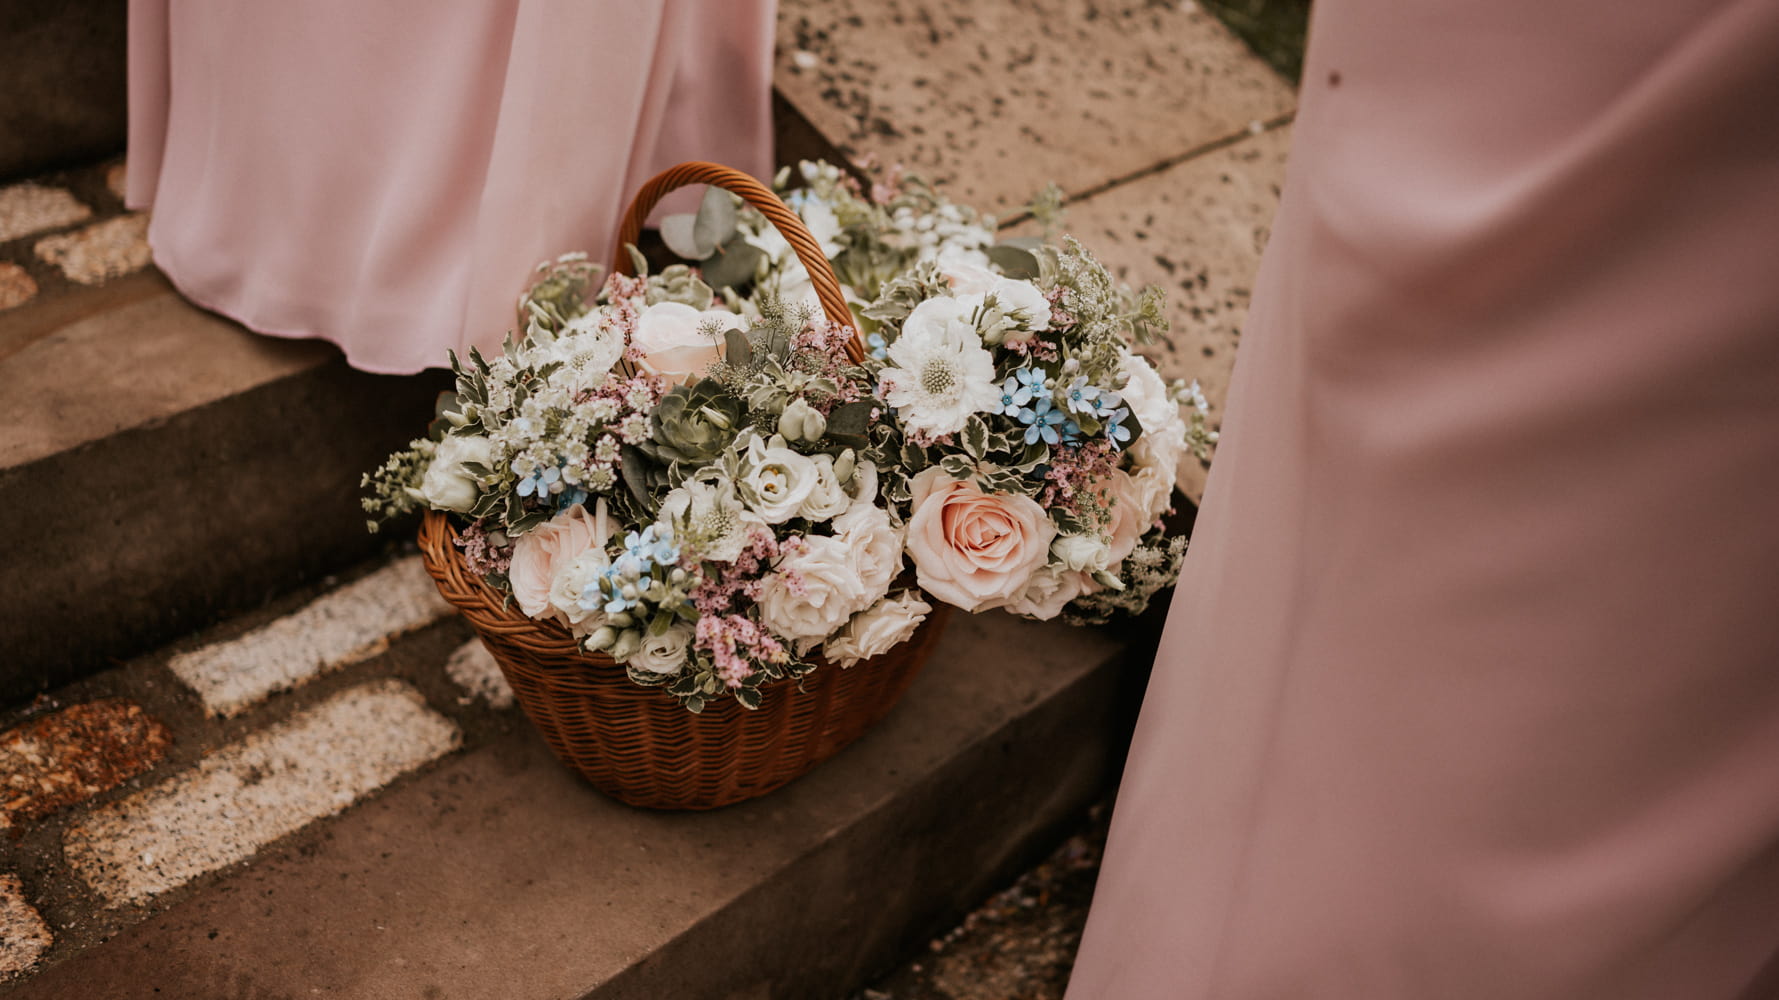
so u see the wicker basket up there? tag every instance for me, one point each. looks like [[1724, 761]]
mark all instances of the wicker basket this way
[[637, 744]]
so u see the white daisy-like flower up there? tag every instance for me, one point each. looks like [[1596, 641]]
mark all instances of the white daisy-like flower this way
[[940, 371]]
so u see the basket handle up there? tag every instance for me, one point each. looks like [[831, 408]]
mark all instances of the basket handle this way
[[821, 275]]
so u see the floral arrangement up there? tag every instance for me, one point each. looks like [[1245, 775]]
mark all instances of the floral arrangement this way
[[703, 486]]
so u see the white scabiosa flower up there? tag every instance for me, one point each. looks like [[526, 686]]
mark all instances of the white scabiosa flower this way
[[940, 371]]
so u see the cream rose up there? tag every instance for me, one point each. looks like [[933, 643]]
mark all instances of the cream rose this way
[[972, 549], [1081, 553], [1050, 590], [1133, 510], [826, 499], [667, 334], [447, 484], [1163, 443], [813, 592], [875, 544], [878, 629], [775, 480], [548, 548], [664, 653]]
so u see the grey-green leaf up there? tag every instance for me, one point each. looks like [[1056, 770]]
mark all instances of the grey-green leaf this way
[[715, 221], [732, 263], [736, 349], [1014, 262], [680, 233]]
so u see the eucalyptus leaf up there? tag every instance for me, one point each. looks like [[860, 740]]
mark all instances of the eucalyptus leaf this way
[[736, 349], [715, 221], [1014, 262], [638, 262], [679, 232], [732, 263]]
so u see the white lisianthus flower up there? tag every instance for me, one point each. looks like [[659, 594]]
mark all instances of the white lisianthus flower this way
[[819, 218], [1081, 553], [775, 480], [664, 653], [941, 372], [447, 485], [709, 519], [826, 499], [863, 484], [668, 335], [1051, 588], [1012, 294], [813, 592], [878, 629], [875, 544], [1163, 443]]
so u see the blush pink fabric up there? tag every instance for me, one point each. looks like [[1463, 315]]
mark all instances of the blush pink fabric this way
[[1470, 689], [385, 175]]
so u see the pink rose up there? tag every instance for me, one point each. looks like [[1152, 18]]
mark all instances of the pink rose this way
[[1131, 517], [548, 549], [971, 549], [667, 335]]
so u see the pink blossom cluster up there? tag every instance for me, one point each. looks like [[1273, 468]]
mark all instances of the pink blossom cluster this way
[[1073, 475], [733, 641], [822, 343], [480, 554], [734, 644]]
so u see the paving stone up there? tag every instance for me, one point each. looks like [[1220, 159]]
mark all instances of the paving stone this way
[[1196, 229], [472, 668], [115, 178], [69, 756], [243, 797], [346, 625], [100, 252], [17, 287], [23, 934], [997, 100], [31, 208]]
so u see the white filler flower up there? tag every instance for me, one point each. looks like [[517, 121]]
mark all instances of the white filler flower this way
[[941, 372]]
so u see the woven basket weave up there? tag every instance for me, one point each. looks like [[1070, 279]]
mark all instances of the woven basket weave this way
[[637, 744]]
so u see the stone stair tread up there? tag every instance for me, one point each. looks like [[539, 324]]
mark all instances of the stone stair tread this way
[[131, 354], [499, 873]]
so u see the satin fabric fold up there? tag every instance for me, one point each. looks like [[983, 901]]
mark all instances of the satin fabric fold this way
[[1470, 688], [386, 175]]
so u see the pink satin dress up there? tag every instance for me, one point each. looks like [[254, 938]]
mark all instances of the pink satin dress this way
[[1470, 689], [385, 175]]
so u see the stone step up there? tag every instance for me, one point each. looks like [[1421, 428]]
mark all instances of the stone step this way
[[383, 827]]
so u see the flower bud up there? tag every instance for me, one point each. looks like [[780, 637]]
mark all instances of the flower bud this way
[[628, 643], [845, 466], [802, 422], [602, 638]]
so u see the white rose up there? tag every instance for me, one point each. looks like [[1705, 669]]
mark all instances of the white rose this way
[[830, 591], [776, 480], [1164, 432], [574, 582], [664, 653], [667, 334], [875, 544], [877, 630], [826, 498], [1081, 553], [1051, 588], [542, 553], [1012, 294], [447, 484]]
